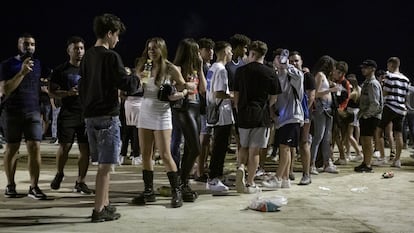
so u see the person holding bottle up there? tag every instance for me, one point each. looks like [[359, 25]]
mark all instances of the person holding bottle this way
[[187, 121], [154, 121]]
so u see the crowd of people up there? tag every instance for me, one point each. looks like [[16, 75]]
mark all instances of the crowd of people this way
[[277, 107]]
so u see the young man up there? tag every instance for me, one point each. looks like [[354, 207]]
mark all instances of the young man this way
[[20, 78], [370, 110], [295, 58], [255, 85], [64, 85], [102, 74], [395, 88]]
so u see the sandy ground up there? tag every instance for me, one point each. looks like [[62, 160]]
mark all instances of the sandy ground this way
[[329, 204]]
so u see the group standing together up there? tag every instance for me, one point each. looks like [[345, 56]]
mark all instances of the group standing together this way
[[279, 105]]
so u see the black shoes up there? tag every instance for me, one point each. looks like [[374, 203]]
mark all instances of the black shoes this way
[[56, 181], [106, 214], [36, 193], [363, 168], [188, 195], [10, 191], [82, 188], [147, 196]]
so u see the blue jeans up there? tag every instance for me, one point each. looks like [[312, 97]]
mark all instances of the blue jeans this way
[[104, 135], [322, 131]]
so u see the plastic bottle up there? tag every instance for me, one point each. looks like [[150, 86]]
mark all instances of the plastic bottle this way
[[284, 56], [147, 71], [194, 78]]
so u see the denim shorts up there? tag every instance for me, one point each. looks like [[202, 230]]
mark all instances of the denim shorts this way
[[104, 138], [17, 123]]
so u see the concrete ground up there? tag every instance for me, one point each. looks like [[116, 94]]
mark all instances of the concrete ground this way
[[329, 204]]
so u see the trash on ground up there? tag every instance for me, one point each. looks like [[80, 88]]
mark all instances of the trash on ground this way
[[388, 174], [324, 188], [267, 204], [359, 189]]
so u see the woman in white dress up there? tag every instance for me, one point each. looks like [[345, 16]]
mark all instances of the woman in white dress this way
[[154, 122]]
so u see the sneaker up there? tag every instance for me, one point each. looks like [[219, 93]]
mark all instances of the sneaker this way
[[136, 160], [331, 169], [53, 141], [36, 193], [82, 188], [260, 171], [121, 160], [363, 168], [291, 176], [355, 158], [379, 162], [10, 191], [396, 163], [376, 154], [216, 186], [251, 189], [305, 180], [240, 180], [314, 171], [110, 208], [104, 215], [56, 181], [285, 184], [273, 183], [340, 161]]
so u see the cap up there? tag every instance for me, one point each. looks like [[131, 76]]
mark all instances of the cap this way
[[369, 63]]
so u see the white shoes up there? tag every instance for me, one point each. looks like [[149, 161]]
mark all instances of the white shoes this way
[[216, 186], [272, 182]]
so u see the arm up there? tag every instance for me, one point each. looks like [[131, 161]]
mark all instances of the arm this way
[[180, 84], [11, 84], [374, 95], [319, 77]]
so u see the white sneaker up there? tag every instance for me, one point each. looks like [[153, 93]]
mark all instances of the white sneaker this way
[[216, 186], [285, 184], [355, 158], [136, 160], [273, 183], [121, 160], [240, 180], [260, 171], [379, 162], [251, 189], [376, 154], [396, 163], [314, 171], [331, 169]]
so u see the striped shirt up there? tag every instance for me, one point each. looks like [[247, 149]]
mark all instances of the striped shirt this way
[[396, 86]]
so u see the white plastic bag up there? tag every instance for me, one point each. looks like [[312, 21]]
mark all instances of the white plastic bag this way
[[267, 204]]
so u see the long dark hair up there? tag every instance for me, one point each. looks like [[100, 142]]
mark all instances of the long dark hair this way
[[325, 64], [187, 56]]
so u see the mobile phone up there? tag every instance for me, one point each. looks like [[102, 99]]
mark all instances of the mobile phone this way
[[284, 56], [26, 55]]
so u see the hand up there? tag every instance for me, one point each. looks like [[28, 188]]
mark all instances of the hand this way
[[27, 66], [191, 87], [73, 91], [128, 70]]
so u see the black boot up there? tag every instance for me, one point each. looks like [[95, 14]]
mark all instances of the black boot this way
[[188, 194], [177, 199], [148, 195]]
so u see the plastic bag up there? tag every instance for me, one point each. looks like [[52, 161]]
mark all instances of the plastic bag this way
[[267, 204]]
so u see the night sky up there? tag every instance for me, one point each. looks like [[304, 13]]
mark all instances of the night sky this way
[[347, 30]]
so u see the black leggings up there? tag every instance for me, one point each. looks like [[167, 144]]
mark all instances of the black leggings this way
[[189, 122]]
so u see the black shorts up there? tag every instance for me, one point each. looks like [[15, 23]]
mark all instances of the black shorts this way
[[288, 135], [70, 126], [17, 124], [388, 115], [368, 126]]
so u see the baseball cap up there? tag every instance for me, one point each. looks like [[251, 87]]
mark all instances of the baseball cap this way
[[369, 63]]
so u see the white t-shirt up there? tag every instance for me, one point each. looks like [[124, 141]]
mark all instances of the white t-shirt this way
[[217, 80]]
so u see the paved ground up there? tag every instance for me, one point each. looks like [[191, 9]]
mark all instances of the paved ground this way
[[329, 204]]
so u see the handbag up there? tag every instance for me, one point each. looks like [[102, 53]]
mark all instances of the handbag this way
[[166, 89], [213, 112]]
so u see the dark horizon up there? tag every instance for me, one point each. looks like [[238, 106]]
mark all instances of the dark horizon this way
[[346, 30]]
